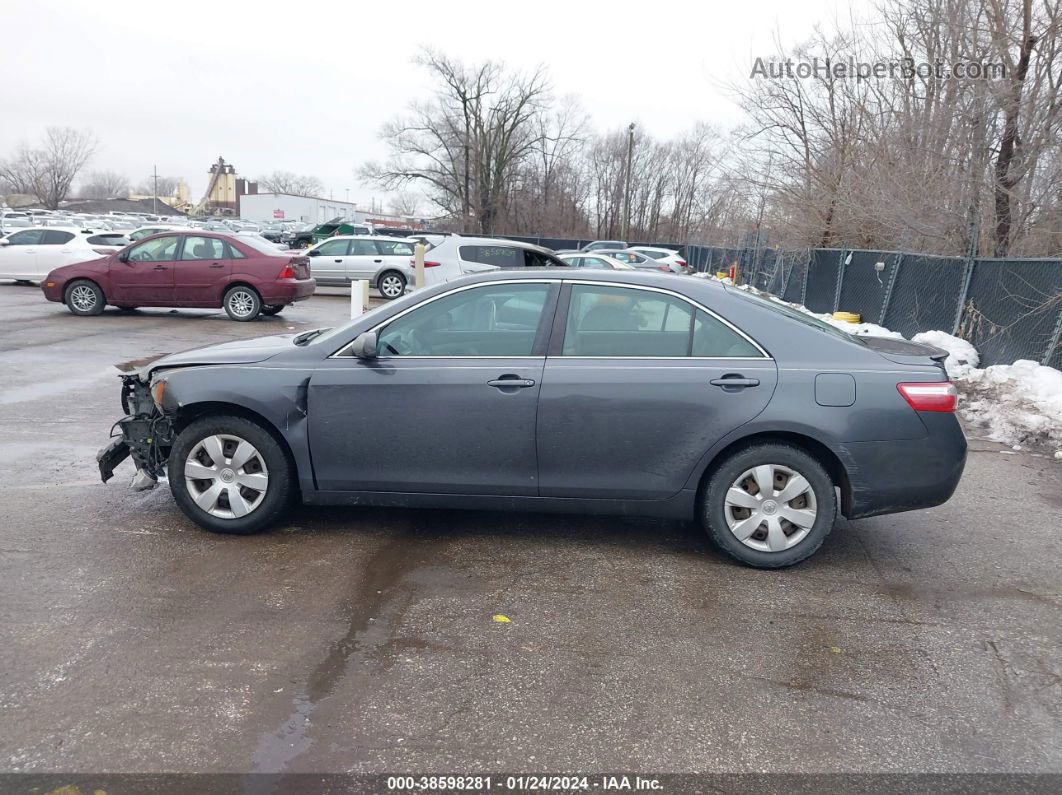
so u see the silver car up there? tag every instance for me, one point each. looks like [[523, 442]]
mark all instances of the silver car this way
[[386, 262]]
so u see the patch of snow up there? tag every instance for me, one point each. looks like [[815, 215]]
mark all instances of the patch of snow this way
[[962, 356]]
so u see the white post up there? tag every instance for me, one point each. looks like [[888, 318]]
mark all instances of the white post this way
[[418, 264], [359, 297]]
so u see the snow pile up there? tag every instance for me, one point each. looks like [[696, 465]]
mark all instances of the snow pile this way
[[962, 356], [1018, 403]]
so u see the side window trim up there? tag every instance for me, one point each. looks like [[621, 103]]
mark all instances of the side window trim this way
[[556, 346]]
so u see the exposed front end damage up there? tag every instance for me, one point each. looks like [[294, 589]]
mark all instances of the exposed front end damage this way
[[146, 434]]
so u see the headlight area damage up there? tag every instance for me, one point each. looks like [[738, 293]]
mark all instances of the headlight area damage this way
[[146, 433]]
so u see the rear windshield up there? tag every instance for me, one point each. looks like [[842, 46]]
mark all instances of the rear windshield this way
[[795, 314], [259, 244]]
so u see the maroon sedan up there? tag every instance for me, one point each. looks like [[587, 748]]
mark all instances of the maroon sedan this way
[[245, 275]]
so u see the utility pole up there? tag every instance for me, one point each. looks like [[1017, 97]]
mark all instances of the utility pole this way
[[627, 185], [155, 190]]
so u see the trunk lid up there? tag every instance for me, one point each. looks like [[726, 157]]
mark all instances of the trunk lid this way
[[906, 352]]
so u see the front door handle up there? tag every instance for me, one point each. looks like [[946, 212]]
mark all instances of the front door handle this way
[[217, 265], [734, 381], [511, 382], [161, 267], [377, 260], [339, 261]]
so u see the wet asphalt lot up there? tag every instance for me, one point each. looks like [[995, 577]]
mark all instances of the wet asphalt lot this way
[[362, 639]]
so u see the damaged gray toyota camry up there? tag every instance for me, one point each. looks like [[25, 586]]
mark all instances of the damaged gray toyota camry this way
[[609, 392]]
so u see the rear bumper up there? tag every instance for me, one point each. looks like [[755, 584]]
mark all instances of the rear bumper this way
[[288, 292], [894, 476]]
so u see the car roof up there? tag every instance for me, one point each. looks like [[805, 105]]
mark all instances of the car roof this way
[[461, 240], [652, 278], [653, 248], [368, 237]]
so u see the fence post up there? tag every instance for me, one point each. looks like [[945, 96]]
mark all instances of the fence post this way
[[888, 289], [1055, 337], [785, 274], [967, 276], [840, 281], [804, 286]]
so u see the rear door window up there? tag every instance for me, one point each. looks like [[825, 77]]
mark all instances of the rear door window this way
[[499, 256], [196, 248], [54, 237]]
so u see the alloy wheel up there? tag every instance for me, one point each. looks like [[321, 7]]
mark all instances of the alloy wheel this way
[[770, 508], [241, 303], [391, 286], [83, 298], [226, 476]]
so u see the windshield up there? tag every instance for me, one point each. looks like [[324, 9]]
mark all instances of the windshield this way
[[795, 314], [339, 330]]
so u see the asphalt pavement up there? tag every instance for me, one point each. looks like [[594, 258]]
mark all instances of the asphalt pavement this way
[[365, 640]]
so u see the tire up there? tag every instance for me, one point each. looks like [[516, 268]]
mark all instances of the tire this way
[[275, 309], [242, 303], [391, 285], [774, 541], [210, 502], [84, 298]]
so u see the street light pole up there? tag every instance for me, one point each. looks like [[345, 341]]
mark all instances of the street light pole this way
[[627, 185], [155, 190]]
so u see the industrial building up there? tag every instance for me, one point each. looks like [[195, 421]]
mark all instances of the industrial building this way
[[263, 207]]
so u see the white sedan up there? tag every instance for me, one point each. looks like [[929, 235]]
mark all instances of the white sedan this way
[[28, 255], [662, 255], [594, 260]]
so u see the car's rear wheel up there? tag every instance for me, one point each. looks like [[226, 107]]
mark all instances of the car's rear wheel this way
[[242, 303], [85, 298], [769, 505], [275, 309], [230, 475], [391, 284]]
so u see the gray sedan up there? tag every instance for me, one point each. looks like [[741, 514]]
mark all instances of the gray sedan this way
[[552, 390]]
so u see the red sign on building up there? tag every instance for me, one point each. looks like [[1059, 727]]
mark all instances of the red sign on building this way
[[278, 213]]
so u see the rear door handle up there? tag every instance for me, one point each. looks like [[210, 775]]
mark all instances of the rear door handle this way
[[339, 261], [160, 267], [511, 382], [377, 260], [734, 381], [217, 265]]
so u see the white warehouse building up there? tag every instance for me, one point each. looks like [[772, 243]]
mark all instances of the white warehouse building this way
[[264, 207]]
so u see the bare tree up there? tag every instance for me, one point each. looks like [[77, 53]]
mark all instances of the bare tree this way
[[103, 185], [166, 186], [465, 147], [289, 182], [48, 171], [405, 203]]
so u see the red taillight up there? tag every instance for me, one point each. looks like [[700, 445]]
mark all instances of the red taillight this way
[[681, 263], [930, 397], [431, 264], [287, 272]]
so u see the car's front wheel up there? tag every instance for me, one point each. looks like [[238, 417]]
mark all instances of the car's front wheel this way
[[242, 303], [769, 505], [230, 475], [85, 298], [391, 284]]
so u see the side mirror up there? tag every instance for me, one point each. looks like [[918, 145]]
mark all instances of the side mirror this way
[[313, 253], [123, 257], [364, 347]]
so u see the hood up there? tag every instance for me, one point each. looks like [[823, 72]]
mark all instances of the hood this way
[[904, 352], [238, 352]]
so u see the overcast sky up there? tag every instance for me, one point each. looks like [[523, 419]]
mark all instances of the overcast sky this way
[[305, 86]]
